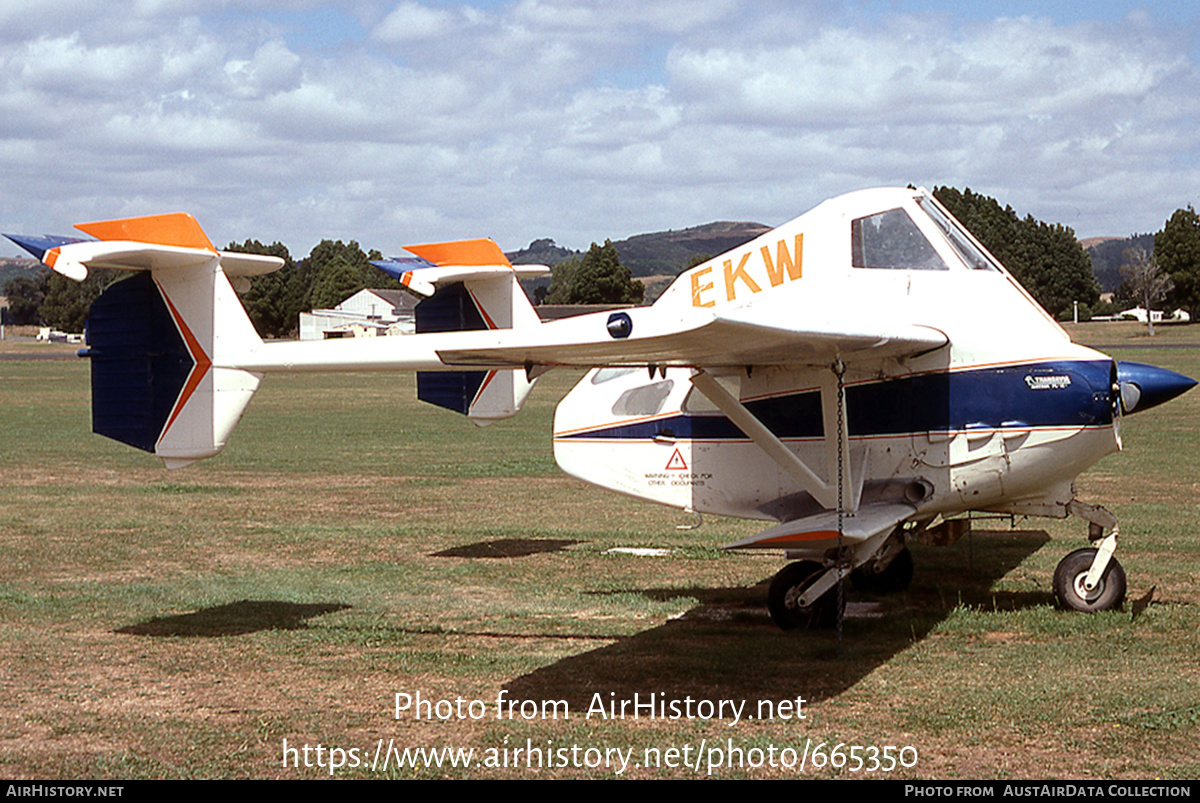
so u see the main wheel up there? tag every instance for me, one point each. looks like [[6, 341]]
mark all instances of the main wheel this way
[[896, 577], [1072, 570], [787, 587]]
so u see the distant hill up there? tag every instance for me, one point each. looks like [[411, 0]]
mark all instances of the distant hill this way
[[541, 252], [1108, 255], [1091, 242], [659, 253], [668, 252]]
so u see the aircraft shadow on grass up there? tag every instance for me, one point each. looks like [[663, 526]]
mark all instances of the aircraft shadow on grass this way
[[251, 616], [727, 648], [235, 619], [506, 548]]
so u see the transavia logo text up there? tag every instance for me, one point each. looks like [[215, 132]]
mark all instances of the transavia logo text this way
[[1056, 382]]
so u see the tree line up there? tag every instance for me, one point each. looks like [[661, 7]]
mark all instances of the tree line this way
[[1049, 262], [1045, 258]]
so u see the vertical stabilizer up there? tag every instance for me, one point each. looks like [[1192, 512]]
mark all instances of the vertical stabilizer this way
[[469, 286]]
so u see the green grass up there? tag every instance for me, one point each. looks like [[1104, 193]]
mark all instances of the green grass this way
[[351, 543]]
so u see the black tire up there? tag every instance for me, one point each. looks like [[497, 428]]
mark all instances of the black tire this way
[[789, 583], [1068, 583], [896, 577]]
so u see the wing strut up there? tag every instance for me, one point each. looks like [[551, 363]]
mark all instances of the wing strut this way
[[825, 492]]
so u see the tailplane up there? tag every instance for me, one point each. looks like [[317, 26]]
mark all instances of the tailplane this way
[[469, 285], [157, 339]]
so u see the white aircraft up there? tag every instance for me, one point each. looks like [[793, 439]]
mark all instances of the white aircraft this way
[[859, 378]]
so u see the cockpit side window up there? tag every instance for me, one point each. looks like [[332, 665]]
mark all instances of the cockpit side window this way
[[890, 240]]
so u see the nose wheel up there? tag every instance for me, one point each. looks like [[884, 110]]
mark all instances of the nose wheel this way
[[1071, 583]]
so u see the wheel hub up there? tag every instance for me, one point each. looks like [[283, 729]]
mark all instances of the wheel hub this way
[[1082, 590]]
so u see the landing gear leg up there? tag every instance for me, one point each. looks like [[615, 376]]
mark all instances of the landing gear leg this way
[[783, 598]]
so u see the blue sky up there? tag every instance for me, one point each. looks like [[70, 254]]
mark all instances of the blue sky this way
[[401, 122]]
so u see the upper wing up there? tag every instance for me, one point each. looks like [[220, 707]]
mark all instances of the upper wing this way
[[752, 334]]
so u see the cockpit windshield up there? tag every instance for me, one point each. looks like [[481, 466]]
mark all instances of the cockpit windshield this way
[[958, 237]]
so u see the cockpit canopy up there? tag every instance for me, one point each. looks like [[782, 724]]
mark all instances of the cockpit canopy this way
[[887, 229], [892, 240]]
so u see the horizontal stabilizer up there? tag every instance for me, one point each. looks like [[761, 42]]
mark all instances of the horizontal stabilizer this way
[[821, 529], [458, 261], [401, 269], [158, 242], [474, 253], [421, 276], [159, 340]]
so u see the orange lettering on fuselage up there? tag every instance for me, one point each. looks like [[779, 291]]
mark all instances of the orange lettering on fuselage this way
[[783, 260], [785, 265], [698, 288], [732, 276]]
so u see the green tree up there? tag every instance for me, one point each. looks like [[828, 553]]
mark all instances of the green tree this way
[[602, 279], [562, 276], [68, 302], [1177, 250], [25, 296], [336, 281], [332, 271], [1045, 258], [349, 271], [266, 300]]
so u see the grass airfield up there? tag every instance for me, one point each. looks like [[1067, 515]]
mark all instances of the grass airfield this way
[[352, 544]]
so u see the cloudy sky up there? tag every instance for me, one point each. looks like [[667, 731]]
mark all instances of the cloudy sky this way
[[401, 122]]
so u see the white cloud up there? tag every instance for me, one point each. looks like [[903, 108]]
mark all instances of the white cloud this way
[[273, 69], [1017, 106], [412, 21], [66, 67]]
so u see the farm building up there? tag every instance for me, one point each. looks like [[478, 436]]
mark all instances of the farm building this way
[[367, 313]]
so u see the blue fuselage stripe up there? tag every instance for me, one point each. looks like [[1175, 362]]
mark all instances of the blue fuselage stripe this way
[[1048, 394]]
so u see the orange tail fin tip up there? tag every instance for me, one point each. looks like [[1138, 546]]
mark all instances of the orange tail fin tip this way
[[177, 229], [461, 253]]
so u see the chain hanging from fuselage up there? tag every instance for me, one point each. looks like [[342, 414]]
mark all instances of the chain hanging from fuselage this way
[[839, 368]]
